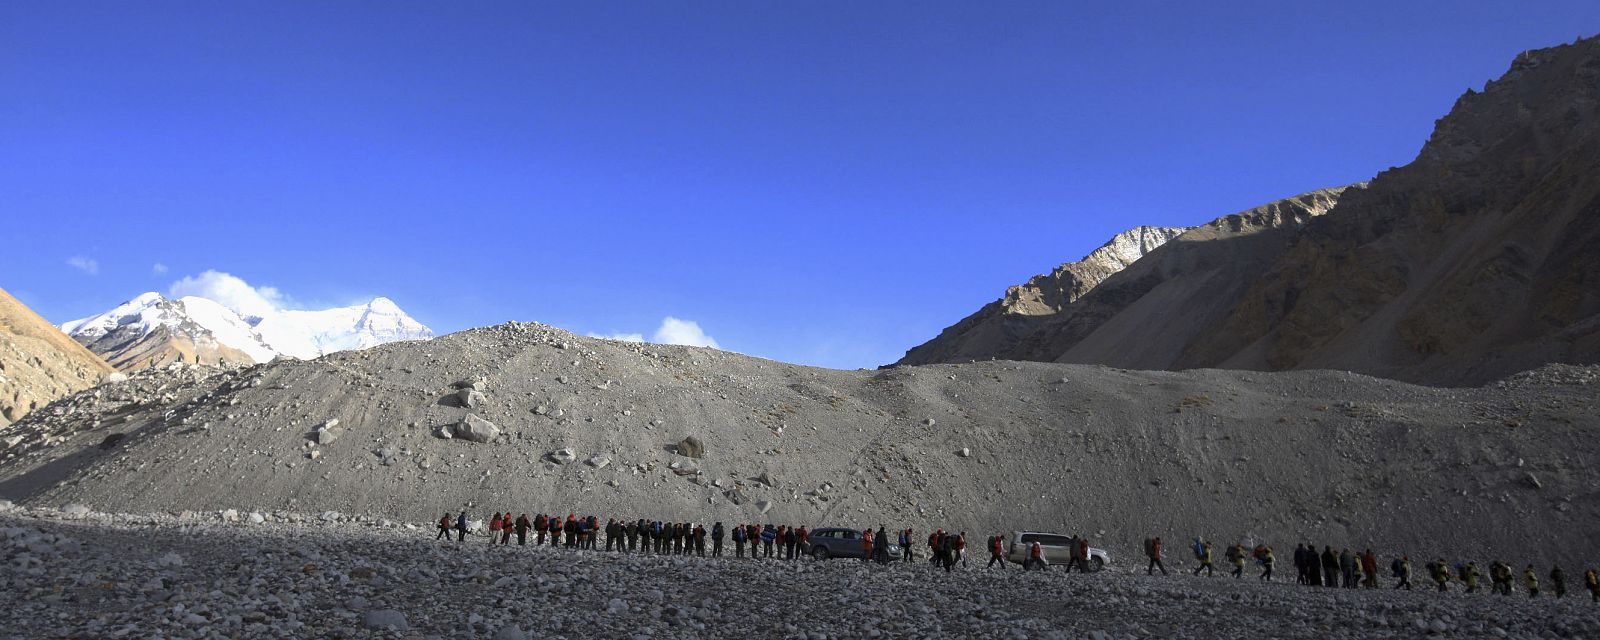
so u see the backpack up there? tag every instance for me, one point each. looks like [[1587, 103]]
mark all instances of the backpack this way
[[1199, 550], [1149, 547]]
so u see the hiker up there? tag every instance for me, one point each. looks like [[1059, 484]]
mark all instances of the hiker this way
[[996, 552], [1072, 554], [700, 540], [1035, 555], [1235, 556], [1083, 554], [1531, 581], [632, 532], [768, 535], [948, 551], [1469, 576], [1267, 560], [961, 548], [716, 539], [1592, 581], [553, 525], [905, 545], [1402, 571], [1205, 561], [461, 527], [866, 545], [523, 523], [1152, 549], [1369, 568], [1441, 574], [803, 539], [738, 541], [1558, 581], [506, 525], [494, 528], [1330, 567], [444, 526], [935, 542], [880, 545], [1301, 572], [1347, 569]]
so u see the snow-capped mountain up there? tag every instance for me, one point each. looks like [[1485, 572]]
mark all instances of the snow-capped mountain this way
[[154, 330]]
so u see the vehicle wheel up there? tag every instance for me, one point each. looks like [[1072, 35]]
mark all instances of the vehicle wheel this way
[[1097, 565], [819, 553]]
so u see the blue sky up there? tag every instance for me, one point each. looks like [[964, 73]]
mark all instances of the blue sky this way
[[827, 183]]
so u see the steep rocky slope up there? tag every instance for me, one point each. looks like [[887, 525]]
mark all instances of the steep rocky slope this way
[[1478, 259], [1009, 319], [1116, 454], [38, 363], [1194, 276]]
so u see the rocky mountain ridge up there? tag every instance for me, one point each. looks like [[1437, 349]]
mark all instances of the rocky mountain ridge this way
[[1474, 261], [38, 363]]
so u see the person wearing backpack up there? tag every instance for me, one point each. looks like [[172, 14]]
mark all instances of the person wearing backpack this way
[[1235, 556], [1469, 576], [866, 545], [950, 552], [1402, 570], [1592, 581], [522, 524], [935, 542], [880, 546], [1369, 569], [506, 525], [1205, 561], [738, 541], [1267, 560], [494, 528], [803, 538], [716, 539], [996, 552], [461, 527], [905, 545], [769, 534], [1153, 550], [1558, 581], [1531, 581], [444, 526]]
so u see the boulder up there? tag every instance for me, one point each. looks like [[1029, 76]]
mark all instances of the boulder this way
[[257, 518], [764, 506], [692, 447], [766, 479], [684, 468], [115, 376], [470, 398], [75, 509], [598, 461], [476, 429], [469, 384], [385, 619], [562, 456]]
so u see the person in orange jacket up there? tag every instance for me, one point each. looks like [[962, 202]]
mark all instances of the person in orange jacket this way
[[866, 545], [1155, 558], [494, 528]]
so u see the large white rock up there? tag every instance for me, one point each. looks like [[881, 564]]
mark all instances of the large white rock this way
[[563, 456], [476, 429], [75, 509]]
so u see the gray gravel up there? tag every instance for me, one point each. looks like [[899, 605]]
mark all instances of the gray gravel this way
[[195, 576]]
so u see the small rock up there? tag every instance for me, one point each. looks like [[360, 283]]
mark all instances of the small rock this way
[[470, 398], [598, 461], [965, 452], [1532, 480], [562, 456], [476, 429]]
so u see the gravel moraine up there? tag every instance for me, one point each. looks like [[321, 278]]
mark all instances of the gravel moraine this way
[[198, 576]]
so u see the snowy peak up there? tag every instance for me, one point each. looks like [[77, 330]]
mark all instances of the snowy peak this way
[[151, 330]]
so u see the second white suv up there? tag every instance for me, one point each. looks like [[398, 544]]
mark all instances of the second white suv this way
[[1055, 549]]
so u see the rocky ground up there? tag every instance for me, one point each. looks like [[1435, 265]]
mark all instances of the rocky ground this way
[[580, 424], [75, 574]]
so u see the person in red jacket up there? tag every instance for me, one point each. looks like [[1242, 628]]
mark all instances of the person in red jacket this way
[[506, 525], [996, 552], [783, 537], [1155, 558], [444, 526], [803, 539], [494, 528], [866, 545], [1035, 555]]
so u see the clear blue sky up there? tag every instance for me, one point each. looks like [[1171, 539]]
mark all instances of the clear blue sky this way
[[827, 183]]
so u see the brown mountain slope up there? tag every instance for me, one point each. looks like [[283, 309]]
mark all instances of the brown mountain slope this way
[[1197, 274], [39, 363], [1025, 306], [1480, 258]]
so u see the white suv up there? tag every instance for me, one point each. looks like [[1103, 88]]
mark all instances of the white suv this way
[[1054, 547]]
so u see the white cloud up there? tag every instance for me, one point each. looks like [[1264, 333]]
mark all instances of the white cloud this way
[[232, 292], [624, 337], [671, 331], [684, 332], [158, 268], [86, 265]]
